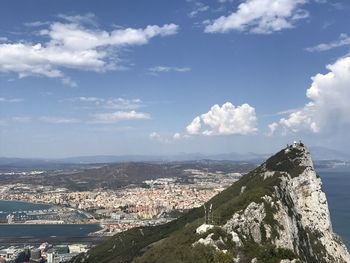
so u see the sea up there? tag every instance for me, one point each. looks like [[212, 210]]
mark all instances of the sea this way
[[11, 206], [336, 184], [42, 231]]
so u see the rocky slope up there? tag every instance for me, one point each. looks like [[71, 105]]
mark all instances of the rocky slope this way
[[276, 213]]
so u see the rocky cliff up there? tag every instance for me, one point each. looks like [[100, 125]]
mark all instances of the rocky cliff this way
[[276, 213], [299, 219]]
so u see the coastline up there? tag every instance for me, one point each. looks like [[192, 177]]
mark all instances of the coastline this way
[[59, 233], [36, 203], [64, 224], [48, 206]]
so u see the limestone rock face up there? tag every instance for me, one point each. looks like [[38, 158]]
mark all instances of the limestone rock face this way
[[248, 222], [297, 209], [276, 213]]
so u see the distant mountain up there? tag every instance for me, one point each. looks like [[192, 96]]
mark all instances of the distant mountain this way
[[323, 153], [275, 213], [105, 159], [166, 158], [23, 164], [88, 177], [15, 163], [18, 161], [319, 153]]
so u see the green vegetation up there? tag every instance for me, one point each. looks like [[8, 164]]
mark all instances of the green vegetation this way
[[267, 253], [79, 177], [176, 241], [287, 162]]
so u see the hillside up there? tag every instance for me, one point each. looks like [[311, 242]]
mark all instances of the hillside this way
[[113, 176], [276, 213]]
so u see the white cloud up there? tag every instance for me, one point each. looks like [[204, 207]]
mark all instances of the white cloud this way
[[58, 120], [272, 129], [224, 1], [3, 39], [110, 103], [90, 99], [36, 24], [194, 126], [199, 8], [124, 104], [76, 37], [225, 120], [285, 112], [112, 117], [329, 107], [260, 16], [343, 40], [177, 136], [88, 18], [157, 137], [69, 82], [86, 100], [74, 46], [154, 135], [160, 69], [21, 119], [14, 100]]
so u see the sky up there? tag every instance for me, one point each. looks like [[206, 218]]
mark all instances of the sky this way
[[168, 77]]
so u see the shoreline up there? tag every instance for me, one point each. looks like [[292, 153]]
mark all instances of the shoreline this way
[[64, 224], [37, 203], [50, 206], [51, 239]]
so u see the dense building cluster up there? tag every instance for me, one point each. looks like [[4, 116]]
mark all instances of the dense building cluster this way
[[42, 253], [155, 202]]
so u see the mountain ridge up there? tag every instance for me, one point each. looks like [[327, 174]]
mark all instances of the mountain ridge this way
[[276, 213], [319, 153]]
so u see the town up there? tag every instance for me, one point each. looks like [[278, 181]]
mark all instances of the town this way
[[44, 252], [155, 202], [152, 203]]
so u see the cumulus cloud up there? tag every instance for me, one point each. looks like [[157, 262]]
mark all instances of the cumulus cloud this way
[[225, 120], [166, 138], [157, 137], [73, 45], [177, 136], [154, 135], [329, 107], [272, 129], [194, 126], [343, 40], [112, 117], [260, 16]]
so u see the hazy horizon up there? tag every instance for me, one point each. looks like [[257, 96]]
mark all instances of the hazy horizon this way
[[160, 78]]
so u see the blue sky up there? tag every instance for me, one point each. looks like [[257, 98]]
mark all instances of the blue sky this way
[[164, 77]]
